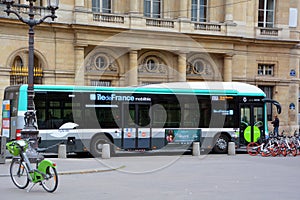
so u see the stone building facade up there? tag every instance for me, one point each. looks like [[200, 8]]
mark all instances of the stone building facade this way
[[133, 42]]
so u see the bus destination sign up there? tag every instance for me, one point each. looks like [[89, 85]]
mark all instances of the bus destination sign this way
[[118, 97]]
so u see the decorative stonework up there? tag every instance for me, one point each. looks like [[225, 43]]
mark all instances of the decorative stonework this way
[[153, 64], [101, 62], [199, 66]]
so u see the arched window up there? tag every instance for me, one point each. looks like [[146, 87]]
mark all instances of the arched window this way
[[18, 61], [19, 72]]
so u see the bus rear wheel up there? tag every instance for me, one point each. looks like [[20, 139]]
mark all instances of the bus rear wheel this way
[[221, 144], [97, 143]]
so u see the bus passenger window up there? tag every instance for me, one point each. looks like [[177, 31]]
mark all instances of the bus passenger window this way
[[159, 116], [191, 115], [68, 117]]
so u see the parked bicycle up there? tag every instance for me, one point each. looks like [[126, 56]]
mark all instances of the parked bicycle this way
[[286, 144], [22, 171], [265, 148], [253, 148], [296, 141], [281, 145]]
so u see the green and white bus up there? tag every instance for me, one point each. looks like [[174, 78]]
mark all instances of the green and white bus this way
[[162, 117]]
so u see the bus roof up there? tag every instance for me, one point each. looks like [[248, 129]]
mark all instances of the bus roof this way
[[236, 88], [193, 88]]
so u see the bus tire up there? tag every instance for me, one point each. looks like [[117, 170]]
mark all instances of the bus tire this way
[[97, 145], [221, 144]]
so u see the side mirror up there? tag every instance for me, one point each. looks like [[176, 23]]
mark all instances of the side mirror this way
[[276, 103]]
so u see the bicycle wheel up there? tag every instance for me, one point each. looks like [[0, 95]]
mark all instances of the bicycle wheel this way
[[266, 153], [253, 148], [51, 182], [283, 151], [294, 152], [293, 149], [275, 151], [19, 174]]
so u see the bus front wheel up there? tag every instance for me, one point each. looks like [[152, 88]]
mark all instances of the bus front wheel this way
[[97, 143], [221, 144]]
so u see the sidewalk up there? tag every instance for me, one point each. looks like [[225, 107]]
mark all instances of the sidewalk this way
[[213, 176], [140, 164], [129, 164], [70, 166]]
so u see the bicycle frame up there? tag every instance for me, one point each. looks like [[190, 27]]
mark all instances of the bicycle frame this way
[[38, 174]]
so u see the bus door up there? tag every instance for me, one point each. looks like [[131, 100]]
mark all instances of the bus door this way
[[251, 122], [136, 130]]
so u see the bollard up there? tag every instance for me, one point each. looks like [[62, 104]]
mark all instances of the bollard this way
[[231, 148], [106, 151], [2, 149], [62, 151], [196, 148]]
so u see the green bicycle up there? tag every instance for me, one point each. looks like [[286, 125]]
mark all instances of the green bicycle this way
[[22, 172]]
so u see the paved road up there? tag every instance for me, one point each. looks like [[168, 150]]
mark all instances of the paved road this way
[[169, 177]]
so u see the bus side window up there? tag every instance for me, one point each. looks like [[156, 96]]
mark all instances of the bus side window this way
[[159, 116], [68, 117], [40, 105], [191, 116], [173, 116], [53, 121], [41, 118]]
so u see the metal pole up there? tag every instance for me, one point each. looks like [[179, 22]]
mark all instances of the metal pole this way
[[31, 23], [30, 129]]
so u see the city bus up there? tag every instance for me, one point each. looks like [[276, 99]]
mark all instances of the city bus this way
[[156, 117]]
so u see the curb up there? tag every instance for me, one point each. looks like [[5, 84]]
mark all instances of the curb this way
[[90, 171]]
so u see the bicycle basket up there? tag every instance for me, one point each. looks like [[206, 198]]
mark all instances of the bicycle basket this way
[[14, 147]]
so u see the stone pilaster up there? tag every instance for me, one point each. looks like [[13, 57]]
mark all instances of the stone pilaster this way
[[79, 66], [183, 10], [229, 11], [132, 74], [134, 7], [227, 76], [182, 67]]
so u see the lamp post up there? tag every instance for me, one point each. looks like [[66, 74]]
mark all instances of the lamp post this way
[[30, 129]]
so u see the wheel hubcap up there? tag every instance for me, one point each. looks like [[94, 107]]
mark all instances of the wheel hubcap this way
[[221, 143]]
